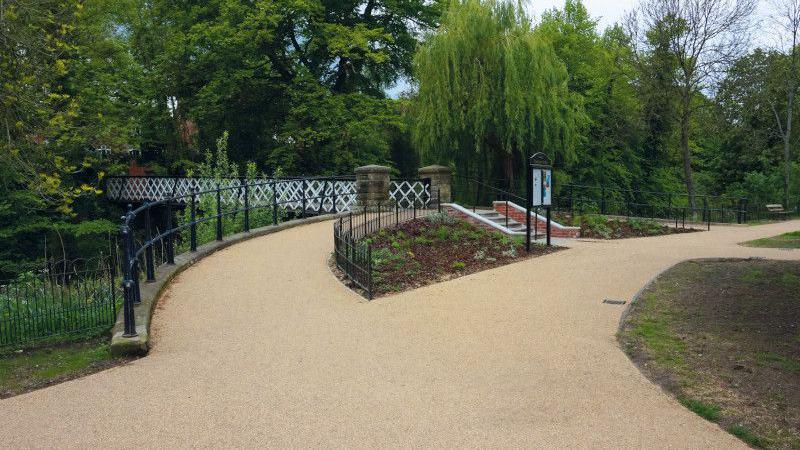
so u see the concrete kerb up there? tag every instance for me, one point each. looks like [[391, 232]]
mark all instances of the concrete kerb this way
[[151, 292]]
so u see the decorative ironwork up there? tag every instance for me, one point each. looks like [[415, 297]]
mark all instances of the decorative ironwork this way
[[67, 298], [353, 253], [321, 193], [407, 193]]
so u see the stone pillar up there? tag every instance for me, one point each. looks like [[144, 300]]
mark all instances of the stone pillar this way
[[372, 186], [440, 177]]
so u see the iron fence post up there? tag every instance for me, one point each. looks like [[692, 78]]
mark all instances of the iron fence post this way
[[351, 223], [439, 199], [127, 283], [365, 219], [603, 200], [369, 272], [335, 209], [303, 197], [322, 197], [219, 213], [396, 213], [379, 215], [149, 266], [506, 211], [744, 209], [246, 207], [170, 236], [274, 203], [193, 221]]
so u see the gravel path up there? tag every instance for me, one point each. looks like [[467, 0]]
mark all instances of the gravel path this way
[[260, 346]]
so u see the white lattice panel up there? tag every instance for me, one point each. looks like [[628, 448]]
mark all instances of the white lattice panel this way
[[289, 193], [409, 193]]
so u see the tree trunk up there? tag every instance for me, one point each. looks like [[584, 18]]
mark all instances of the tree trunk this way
[[788, 132], [686, 116], [787, 148]]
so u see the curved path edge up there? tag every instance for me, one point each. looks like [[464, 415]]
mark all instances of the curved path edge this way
[[151, 291]]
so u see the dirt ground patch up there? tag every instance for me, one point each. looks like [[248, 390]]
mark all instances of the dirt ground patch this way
[[438, 248], [724, 337]]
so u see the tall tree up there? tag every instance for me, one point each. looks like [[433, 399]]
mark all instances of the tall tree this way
[[600, 72], [787, 16], [491, 91], [708, 36], [248, 67]]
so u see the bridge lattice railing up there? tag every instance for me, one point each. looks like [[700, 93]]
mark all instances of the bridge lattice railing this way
[[291, 193]]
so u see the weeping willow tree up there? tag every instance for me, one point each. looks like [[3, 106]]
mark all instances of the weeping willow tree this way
[[491, 92]]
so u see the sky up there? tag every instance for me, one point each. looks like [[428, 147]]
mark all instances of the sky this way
[[609, 12]]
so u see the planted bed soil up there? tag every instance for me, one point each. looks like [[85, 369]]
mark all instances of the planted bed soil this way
[[724, 337], [439, 248], [603, 227]]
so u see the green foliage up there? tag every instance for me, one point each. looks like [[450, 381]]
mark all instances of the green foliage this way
[[704, 410], [597, 223], [29, 370], [491, 90], [747, 436], [440, 219], [787, 240], [648, 226]]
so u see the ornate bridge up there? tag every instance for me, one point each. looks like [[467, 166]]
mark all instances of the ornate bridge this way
[[324, 195]]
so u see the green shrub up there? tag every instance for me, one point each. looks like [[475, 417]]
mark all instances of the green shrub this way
[[598, 224], [441, 219], [459, 265]]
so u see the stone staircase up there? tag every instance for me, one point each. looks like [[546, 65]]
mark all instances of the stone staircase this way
[[500, 219], [511, 221]]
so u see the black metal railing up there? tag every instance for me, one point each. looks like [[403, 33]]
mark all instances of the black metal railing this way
[[39, 306], [352, 248], [582, 199], [207, 215]]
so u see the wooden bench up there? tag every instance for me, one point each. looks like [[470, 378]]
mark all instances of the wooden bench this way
[[777, 210]]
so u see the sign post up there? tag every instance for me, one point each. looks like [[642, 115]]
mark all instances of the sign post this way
[[540, 192]]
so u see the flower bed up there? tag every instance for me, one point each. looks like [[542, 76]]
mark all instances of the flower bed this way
[[437, 248], [602, 227]]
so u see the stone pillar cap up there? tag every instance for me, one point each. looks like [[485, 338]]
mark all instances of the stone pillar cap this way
[[373, 168], [435, 168]]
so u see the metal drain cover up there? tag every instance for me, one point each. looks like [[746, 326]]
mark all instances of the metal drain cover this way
[[614, 302]]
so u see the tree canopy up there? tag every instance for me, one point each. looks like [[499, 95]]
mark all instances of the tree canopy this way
[[491, 92]]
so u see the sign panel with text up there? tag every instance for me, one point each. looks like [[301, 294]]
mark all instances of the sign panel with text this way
[[542, 187]]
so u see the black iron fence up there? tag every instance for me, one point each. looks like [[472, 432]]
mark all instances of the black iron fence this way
[[353, 252], [193, 219], [583, 199], [53, 304]]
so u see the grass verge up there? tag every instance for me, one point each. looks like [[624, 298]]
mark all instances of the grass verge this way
[[724, 337], [787, 240], [24, 371]]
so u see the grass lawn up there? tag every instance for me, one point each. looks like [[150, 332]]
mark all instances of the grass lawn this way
[[33, 369], [788, 240], [724, 337]]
